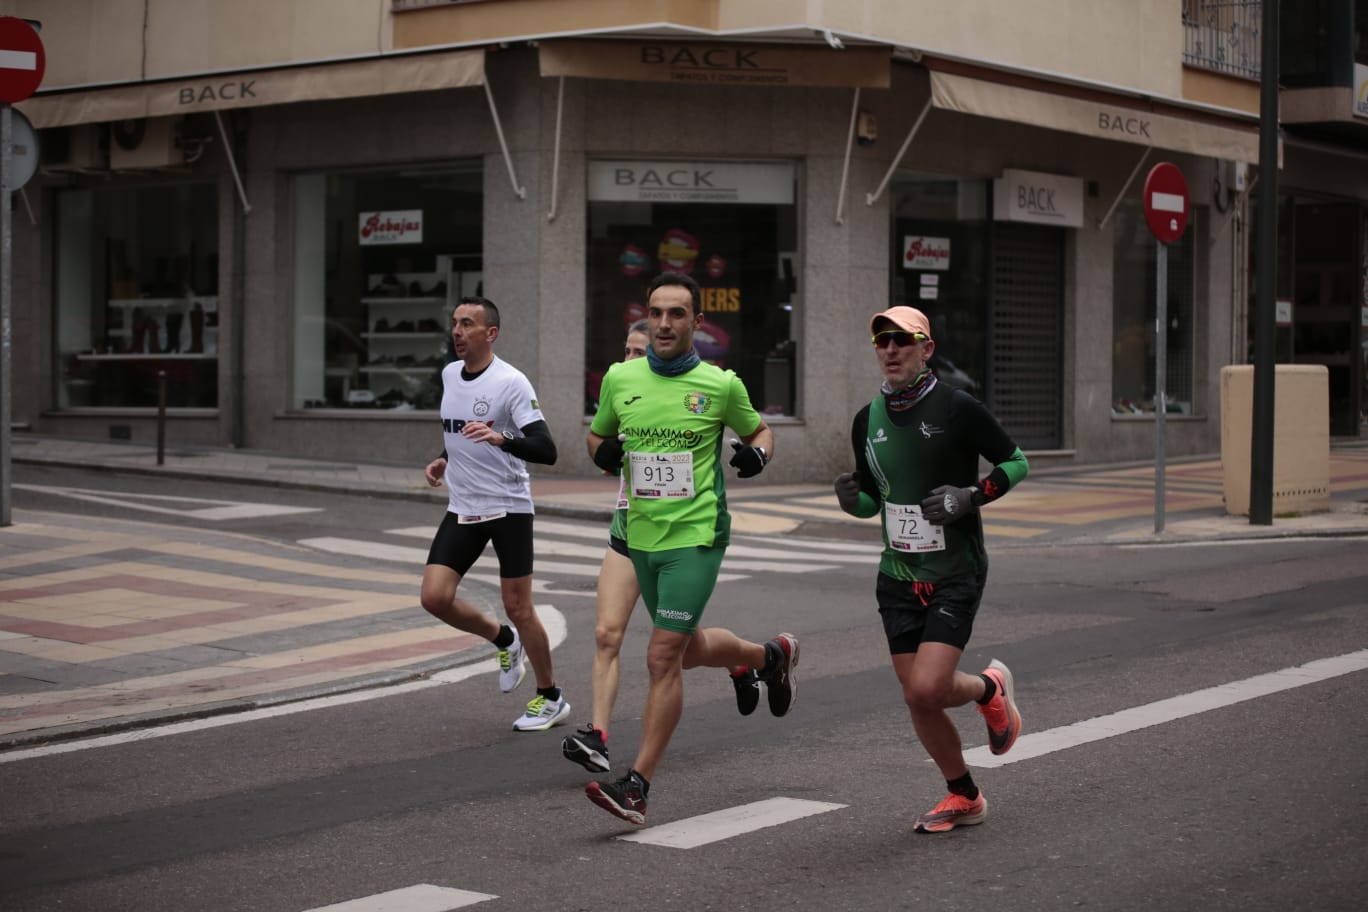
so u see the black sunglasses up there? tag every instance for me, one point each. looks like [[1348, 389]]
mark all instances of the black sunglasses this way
[[897, 336]]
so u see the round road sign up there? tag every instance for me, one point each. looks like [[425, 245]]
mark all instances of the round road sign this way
[[21, 60], [23, 153], [1166, 202]]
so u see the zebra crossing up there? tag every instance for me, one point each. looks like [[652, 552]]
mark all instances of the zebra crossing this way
[[570, 551]]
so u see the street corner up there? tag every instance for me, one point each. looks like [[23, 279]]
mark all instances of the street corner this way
[[99, 627]]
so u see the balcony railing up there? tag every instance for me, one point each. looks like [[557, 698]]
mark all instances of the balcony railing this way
[[1223, 35]]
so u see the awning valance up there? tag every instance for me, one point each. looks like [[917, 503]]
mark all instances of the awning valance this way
[[1099, 119], [315, 82], [717, 64]]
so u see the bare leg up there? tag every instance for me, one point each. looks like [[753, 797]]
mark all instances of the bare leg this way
[[438, 598], [718, 647], [617, 595], [517, 601], [664, 699], [931, 684]]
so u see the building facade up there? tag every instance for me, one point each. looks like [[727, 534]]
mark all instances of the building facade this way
[[271, 208]]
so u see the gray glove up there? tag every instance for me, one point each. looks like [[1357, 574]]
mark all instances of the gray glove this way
[[949, 503], [847, 487]]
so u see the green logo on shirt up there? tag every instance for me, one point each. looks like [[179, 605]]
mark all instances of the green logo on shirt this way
[[697, 402]]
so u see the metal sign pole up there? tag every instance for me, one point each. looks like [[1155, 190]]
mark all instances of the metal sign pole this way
[[5, 325], [1160, 374]]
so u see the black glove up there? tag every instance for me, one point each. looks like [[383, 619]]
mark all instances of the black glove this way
[[608, 456], [747, 460], [847, 487], [949, 503]]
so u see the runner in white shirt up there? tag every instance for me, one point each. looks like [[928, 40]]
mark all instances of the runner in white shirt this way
[[492, 427]]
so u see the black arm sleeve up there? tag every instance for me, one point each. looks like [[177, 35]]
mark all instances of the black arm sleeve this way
[[535, 445], [859, 433]]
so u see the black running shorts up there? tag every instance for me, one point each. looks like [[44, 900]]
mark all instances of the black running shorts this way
[[916, 613], [457, 545]]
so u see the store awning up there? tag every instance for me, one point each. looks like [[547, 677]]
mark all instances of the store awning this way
[[257, 88], [717, 64], [1095, 116]]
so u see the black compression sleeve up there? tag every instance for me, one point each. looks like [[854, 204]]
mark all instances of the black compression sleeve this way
[[535, 445]]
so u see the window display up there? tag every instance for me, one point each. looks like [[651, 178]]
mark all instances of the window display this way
[[732, 226], [381, 258], [137, 296]]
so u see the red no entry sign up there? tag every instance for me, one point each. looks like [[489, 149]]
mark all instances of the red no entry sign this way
[[21, 60], [1166, 202]]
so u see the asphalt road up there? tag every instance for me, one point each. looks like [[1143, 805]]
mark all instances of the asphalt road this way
[[1260, 803]]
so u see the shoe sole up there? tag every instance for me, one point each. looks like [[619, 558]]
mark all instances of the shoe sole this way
[[522, 673], [596, 795], [947, 826], [543, 724], [1007, 685], [791, 682], [575, 751]]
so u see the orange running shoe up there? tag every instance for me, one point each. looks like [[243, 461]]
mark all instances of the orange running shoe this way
[[954, 810], [1004, 722]]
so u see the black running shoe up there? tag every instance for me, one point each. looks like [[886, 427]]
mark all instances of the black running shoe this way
[[781, 685], [625, 798], [747, 685], [586, 748]]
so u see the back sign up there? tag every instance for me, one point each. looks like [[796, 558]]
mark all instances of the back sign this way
[[1166, 202]]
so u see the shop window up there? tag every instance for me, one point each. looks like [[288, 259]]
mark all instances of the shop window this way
[[136, 290], [733, 227], [381, 258], [1133, 313], [940, 266]]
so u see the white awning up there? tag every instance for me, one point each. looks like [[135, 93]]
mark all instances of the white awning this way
[[315, 82], [1099, 118]]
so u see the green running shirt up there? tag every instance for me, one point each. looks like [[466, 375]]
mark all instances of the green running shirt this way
[[675, 415]]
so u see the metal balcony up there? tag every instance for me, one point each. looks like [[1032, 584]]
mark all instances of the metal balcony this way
[[1223, 35]]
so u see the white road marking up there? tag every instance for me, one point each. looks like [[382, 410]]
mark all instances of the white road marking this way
[[551, 619], [417, 898], [1235, 542], [153, 503], [1030, 746], [724, 824]]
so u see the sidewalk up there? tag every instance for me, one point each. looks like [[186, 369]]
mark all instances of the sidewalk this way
[[115, 624]]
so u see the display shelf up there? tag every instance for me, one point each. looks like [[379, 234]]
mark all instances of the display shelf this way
[[148, 356], [153, 327]]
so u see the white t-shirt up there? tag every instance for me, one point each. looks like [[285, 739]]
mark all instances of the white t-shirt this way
[[485, 478]]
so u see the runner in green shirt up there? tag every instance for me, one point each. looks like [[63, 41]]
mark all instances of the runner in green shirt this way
[[917, 448], [660, 421]]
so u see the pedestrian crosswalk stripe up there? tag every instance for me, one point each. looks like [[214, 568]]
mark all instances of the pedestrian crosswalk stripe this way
[[175, 505], [417, 898], [744, 556], [693, 832]]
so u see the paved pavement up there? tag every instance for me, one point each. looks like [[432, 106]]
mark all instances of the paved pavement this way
[[107, 625]]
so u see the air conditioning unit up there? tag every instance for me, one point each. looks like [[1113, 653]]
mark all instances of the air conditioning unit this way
[[148, 142], [83, 147]]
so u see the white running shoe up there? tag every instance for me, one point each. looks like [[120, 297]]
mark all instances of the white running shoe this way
[[512, 664], [542, 714]]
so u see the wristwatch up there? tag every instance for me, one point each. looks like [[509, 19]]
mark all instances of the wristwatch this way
[[764, 457], [508, 436]]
